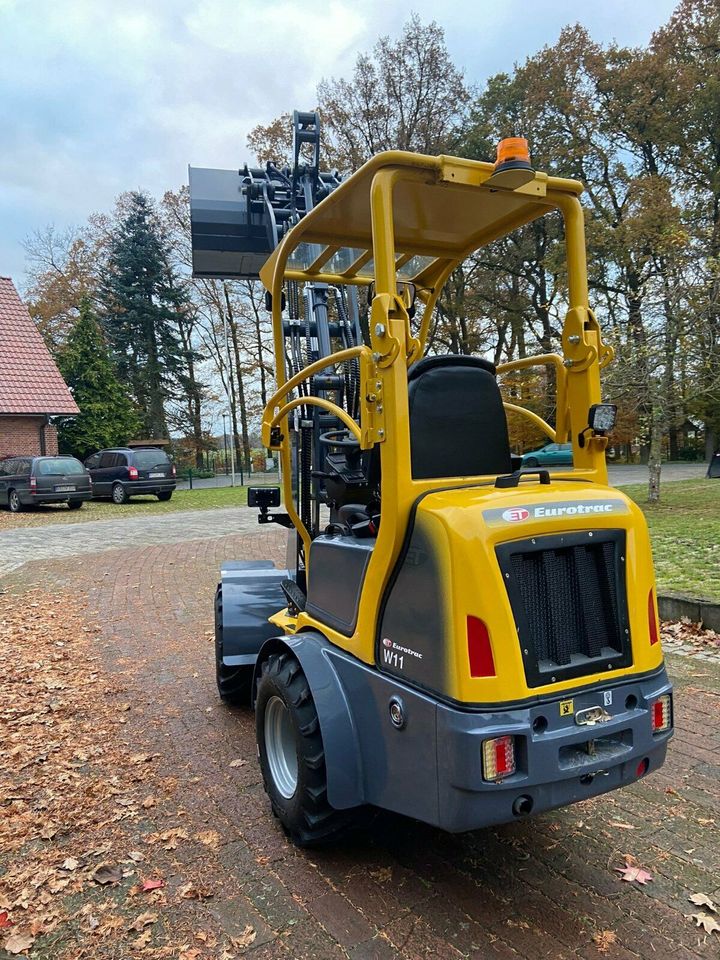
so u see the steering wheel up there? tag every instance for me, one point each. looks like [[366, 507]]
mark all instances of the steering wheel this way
[[340, 438]]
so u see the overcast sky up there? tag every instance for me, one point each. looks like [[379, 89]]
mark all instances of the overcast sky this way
[[101, 96]]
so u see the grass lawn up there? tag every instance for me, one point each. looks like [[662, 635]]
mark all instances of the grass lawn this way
[[685, 532], [204, 499]]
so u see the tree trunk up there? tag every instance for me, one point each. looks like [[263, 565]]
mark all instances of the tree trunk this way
[[244, 453]]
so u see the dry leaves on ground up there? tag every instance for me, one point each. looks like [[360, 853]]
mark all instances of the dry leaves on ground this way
[[74, 792], [686, 631]]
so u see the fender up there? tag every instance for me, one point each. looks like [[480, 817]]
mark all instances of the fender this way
[[343, 757], [249, 592]]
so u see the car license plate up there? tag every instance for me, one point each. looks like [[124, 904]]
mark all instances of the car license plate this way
[[154, 476], [65, 489]]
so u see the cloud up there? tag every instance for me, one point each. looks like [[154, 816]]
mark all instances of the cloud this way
[[97, 97]]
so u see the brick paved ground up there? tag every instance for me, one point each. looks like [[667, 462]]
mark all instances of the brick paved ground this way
[[540, 888]]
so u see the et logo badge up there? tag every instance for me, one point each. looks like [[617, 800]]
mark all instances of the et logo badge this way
[[515, 514], [567, 708]]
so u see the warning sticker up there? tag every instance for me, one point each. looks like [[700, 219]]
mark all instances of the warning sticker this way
[[567, 708]]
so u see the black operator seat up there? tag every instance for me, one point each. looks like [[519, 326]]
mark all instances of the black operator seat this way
[[457, 420]]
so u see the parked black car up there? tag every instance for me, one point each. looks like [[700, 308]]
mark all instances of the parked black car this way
[[27, 481], [124, 472]]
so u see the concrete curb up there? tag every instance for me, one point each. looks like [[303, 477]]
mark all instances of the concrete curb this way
[[675, 606]]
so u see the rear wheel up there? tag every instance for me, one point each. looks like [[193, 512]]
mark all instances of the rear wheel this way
[[14, 502], [119, 494], [233, 683], [531, 462], [292, 758], [74, 504], [164, 495]]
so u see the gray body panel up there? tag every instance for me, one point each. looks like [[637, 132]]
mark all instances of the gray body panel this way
[[250, 594], [431, 768], [338, 566]]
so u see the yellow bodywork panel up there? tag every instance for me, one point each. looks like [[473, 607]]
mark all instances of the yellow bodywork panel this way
[[405, 217]]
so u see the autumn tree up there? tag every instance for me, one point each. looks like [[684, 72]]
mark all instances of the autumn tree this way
[[141, 308], [107, 416]]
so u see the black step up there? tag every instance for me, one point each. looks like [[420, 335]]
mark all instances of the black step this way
[[295, 596]]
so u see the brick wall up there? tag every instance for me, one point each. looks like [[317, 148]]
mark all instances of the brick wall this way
[[21, 435]]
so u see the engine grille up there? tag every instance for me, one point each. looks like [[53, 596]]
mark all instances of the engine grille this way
[[568, 598]]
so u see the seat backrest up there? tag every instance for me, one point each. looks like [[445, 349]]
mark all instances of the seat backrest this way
[[457, 420]]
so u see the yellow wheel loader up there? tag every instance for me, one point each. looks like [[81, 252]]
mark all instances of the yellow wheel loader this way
[[455, 638]]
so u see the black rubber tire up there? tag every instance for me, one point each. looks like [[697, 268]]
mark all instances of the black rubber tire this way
[[164, 496], [74, 504], [119, 494], [531, 462], [306, 817], [234, 683], [14, 502]]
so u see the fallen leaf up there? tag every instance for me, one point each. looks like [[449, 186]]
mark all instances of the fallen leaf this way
[[144, 920], [621, 826], [246, 937], [604, 939], [633, 874], [704, 920], [153, 883], [70, 864], [142, 941], [149, 802], [238, 763], [188, 891], [136, 856], [19, 943], [107, 873], [703, 900], [5, 920], [210, 838]]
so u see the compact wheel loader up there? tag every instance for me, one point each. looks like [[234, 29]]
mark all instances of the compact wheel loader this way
[[454, 638]]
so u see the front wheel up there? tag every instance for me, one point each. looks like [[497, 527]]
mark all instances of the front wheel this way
[[531, 462], [164, 495], [119, 494], [292, 758]]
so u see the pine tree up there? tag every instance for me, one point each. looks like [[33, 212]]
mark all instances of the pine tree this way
[[107, 415], [141, 305]]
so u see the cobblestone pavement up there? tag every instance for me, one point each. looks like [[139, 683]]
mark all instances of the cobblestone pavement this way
[[22, 545], [539, 888]]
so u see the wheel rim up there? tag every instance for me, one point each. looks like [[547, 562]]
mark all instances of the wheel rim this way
[[280, 747], [14, 501], [118, 494]]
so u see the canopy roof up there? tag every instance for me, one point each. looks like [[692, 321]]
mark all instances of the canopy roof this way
[[443, 209]]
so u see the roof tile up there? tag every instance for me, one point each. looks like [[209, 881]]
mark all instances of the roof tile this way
[[30, 382]]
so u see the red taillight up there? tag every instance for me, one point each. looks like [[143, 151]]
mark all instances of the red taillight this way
[[33, 484], [480, 652], [498, 758], [652, 618], [132, 473], [661, 714], [174, 471]]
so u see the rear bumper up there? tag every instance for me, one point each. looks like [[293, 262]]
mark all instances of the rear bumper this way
[[133, 487], [52, 497], [430, 767], [555, 766]]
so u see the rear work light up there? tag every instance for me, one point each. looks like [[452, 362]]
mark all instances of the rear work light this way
[[498, 758], [661, 713], [132, 473], [479, 649]]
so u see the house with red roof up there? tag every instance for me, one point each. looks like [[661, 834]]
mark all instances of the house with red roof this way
[[31, 387]]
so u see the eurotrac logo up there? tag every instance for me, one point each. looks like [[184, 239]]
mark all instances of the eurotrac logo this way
[[565, 509]]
